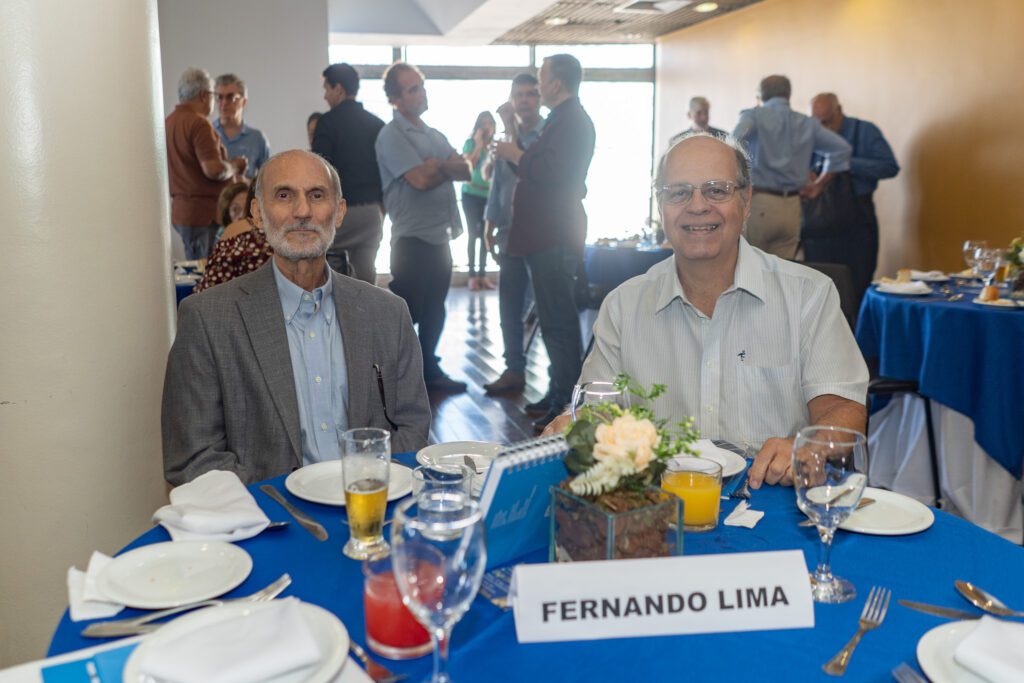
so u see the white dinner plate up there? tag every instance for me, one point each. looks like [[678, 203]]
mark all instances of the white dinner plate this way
[[999, 303], [935, 653], [884, 290], [321, 483], [892, 514], [329, 633], [931, 278], [731, 462], [174, 573], [482, 453]]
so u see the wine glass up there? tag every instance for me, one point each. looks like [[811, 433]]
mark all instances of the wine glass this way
[[970, 247], [590, 393], [438, 557], [829, 466], [987, 262]]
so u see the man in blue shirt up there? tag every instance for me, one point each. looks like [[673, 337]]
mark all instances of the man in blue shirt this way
[[240, 139], [523, 124], [781, 142], [872, 161], [417, 170]]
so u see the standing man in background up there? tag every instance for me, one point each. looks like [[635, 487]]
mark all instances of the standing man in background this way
[[197, 164], [872, 161], [345, 137], [240, 139], [781, 142], [549, 225], [700, 117], [418, 168]]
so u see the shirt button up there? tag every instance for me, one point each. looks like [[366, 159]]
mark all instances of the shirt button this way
[[312, 334], [317, 379], [323, 426], [305, 297], [708, 364], [710, 409], [287, 317]]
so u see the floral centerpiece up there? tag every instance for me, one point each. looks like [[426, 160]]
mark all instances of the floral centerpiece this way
[[612, 505], [1015, 276]]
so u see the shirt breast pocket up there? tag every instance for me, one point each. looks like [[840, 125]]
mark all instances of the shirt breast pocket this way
[[769, 401]]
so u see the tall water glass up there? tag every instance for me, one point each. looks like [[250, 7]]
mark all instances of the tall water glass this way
[[590, 393], [987, 262], [829, 476], [365, 466], [438, 558]]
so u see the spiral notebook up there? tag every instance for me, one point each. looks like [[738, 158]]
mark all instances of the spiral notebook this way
[[516, 497]]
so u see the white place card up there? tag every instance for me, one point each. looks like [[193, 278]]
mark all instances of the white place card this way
[[663, 596]]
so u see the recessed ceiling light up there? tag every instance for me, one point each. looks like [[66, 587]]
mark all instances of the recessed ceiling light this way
[[560, 21], [706, 7]]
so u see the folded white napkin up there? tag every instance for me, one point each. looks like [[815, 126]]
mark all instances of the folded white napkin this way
[[915, 287], [215, 506], [994, 650], [742, 515], [84, 598], [927, 275], [265, 641]]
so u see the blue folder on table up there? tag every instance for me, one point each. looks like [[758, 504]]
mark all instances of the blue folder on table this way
[[516, 497]]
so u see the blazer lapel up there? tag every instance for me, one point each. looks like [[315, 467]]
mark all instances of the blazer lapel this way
[[264, 322], [358, 341]]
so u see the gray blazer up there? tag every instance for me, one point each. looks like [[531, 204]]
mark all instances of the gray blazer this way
[[229, 394]]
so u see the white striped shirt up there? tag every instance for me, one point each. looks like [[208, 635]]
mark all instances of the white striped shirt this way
[[777, 339]]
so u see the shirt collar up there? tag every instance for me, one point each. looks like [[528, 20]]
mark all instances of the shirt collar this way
[[777, 103], [291, 294], [406, 124], [748, 277], [244, 129]]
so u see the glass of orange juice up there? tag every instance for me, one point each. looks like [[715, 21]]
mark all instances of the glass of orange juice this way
[[698, 481]]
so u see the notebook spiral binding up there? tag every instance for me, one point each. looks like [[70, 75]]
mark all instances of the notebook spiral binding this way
[[523, 454]]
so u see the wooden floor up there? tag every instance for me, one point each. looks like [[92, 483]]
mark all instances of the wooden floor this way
[[471, 350]]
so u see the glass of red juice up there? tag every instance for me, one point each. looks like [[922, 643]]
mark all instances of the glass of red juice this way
[[391, 629]]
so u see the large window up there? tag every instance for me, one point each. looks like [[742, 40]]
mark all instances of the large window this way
[[619, 181]]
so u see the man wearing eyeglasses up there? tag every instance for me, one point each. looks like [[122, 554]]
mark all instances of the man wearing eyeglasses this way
[[751, 346], [197, 163], [240, 139]]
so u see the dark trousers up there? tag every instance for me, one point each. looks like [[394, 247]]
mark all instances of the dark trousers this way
[[514, 295], [198, 240], [870, 249], [856, 247], [553, 274], [421, 275], [473, 207]]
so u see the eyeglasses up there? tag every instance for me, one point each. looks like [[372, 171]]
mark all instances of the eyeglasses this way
[[228, 97], [714, 191]]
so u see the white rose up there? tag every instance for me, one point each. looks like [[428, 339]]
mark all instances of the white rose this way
[[626, 437]]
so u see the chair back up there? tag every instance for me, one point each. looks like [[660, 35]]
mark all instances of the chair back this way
[[843, 279]]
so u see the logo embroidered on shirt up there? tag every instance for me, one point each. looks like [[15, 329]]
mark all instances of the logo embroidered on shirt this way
[[742, 355]]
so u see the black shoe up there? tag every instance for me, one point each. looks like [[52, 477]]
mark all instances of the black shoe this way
[[540, 407], [541, 422], [445, 383], [509, 383]]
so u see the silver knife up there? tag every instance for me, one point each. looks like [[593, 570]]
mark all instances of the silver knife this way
[[935, 610], [313, 527]]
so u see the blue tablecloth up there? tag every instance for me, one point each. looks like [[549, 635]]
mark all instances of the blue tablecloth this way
[[919, 567], [609, 267], [183, 290], [966, 356]]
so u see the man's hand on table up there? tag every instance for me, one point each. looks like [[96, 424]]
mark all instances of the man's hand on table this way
[[773, 464], [557, 426]]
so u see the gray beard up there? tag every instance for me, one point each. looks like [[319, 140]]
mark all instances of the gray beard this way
[[276, 239]]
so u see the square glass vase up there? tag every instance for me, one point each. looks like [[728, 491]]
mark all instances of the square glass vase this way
[[583, 531]]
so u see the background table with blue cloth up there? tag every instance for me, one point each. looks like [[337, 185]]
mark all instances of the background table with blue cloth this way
[[920, 567], [969, 360]]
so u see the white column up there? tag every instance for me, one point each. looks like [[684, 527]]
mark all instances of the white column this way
[[86, 306]]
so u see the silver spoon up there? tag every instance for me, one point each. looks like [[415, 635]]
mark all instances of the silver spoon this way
[[985, 600]]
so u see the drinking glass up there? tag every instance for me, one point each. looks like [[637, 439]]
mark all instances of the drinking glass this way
[[391, 629], [597, 392], [970, 247], [365, 465], [698, 482], [987, 262], [829, 466], [438, 558], [442, 477]]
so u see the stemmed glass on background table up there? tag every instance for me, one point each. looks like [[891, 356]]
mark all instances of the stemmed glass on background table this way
[[438, 556], [970, 248], [830, 467], [987, 263]]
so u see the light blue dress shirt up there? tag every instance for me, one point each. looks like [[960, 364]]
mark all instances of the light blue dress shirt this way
[[318, 365], [781, 142], [503, 185], [250, 143]]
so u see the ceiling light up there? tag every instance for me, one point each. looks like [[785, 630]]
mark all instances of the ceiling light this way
[[706, 7], [558, 21]]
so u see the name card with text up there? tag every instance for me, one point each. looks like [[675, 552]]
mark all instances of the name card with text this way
[[663, 596]]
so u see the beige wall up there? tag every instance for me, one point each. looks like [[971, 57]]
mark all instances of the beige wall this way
[[941, 78]]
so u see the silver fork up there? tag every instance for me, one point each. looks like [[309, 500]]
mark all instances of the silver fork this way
[[143, 624], [870, 617]]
